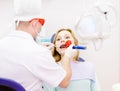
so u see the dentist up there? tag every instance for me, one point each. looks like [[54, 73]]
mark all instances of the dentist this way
[[23, 60]]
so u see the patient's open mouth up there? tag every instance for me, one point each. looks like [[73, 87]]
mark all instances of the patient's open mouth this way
[[63, 46], [67, 44]]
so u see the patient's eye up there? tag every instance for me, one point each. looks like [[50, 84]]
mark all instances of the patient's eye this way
[[58, 39], [67, 37]]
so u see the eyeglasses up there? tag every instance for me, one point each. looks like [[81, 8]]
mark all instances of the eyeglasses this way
[[41, 21]]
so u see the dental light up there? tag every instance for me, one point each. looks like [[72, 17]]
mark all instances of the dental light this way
[[96, 25]]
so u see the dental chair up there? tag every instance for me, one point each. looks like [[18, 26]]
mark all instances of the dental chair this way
[[10, 85]]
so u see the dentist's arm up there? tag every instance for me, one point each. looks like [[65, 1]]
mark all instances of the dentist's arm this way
[[66, 64]]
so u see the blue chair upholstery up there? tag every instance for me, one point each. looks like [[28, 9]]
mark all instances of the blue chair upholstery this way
[[10, 85], [52, 38]]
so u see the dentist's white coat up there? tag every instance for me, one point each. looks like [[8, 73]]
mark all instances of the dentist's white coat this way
[[22, 60]]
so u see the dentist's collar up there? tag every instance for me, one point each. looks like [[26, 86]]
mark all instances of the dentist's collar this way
[[21, 34]]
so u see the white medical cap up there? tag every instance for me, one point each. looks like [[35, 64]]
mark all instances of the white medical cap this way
[[26, 10]]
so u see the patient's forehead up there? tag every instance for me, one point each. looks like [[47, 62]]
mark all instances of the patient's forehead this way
[[63, 33]]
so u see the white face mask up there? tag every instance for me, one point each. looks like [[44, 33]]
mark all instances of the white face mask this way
[[41, 37], [42, 32]]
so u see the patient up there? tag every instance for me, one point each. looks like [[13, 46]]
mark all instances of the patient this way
[[83, 74]]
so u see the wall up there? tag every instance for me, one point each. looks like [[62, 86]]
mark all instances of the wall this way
[[6, 16], [63, 13]]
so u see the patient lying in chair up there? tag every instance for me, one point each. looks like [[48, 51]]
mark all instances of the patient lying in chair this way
[[83, 74]]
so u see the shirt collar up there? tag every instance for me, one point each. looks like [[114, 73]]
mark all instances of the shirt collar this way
[[21, 34]]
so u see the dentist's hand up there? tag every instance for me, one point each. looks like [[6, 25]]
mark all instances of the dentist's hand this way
[[48, 45], [70, 52]]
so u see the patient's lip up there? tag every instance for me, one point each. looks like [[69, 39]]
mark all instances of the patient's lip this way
[[63, 46]]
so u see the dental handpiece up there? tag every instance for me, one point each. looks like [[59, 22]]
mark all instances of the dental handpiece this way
[[68, 43]]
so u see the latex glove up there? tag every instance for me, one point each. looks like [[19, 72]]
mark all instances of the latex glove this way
[[70, 52], [48, 45]]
